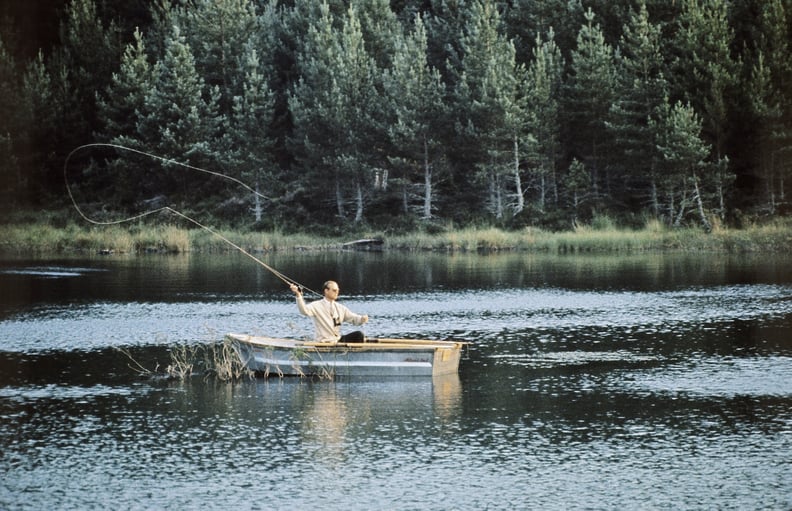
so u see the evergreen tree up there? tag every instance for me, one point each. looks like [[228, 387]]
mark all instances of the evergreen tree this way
[[84, 63], [339, 123], [706, 75], [314, 137], [122, 105], [12, 120], [297, 21], [41, 108], [58, 101], [13, 128], [121, 108], [445, 22], [337, 109], [589, 95], [359, 107], [527, 20], [683, 160], [249, 151], [771, 100], [642, 89], [218, 33], [417, 96], [705, 71], [277, 64], [227, 41], [578, 184], [380, 29], [179, 123], [490, 106], [544, 84]]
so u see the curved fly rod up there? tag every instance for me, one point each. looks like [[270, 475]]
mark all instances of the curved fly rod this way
[[169, 209]]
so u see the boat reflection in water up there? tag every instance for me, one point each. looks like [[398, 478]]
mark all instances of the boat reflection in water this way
[[340, 418]]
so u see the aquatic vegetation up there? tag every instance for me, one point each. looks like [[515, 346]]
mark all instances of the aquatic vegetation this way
[[222, 361], [218, 359], [182, 363]]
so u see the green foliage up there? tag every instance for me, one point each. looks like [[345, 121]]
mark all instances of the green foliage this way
[[416, 95], [683, 155], [338, 112], [399, 115], [590, 92], [771, 101], [14, 121], [544, 84], [641, 90], [493, 105]]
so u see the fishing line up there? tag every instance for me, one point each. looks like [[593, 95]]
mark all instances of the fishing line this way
[[169, 209]]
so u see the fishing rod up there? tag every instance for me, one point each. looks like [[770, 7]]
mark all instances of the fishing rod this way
[[167, 209]]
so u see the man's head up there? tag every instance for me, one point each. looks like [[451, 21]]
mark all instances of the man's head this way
[[330, 290]]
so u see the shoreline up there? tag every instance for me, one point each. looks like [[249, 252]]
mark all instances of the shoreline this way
[[43, 238]]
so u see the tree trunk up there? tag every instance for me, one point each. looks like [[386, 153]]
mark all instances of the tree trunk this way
[[339, 199], [700, 204], [359, 203], [257, 203], [576, 206], [495, 193], [770, 178], [682, 207], [594, 170], [655, 200], [671, 208], [721, 202], [554, 182], [427, 205], [498, 198], [517, 182]]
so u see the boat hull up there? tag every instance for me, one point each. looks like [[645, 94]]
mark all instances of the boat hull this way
[[377, 357]]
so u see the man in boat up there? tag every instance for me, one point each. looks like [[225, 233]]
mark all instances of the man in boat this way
[[328, 315]]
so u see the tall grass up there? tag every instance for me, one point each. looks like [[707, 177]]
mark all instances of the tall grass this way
[[42, 238], [204, 241], [604, 236], [601, 236], [469, 239]]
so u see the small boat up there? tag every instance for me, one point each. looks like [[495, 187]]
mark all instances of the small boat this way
[[375, 357], [367, 244]]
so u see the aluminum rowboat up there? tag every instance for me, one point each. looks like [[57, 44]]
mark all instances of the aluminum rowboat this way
[[375, 357]]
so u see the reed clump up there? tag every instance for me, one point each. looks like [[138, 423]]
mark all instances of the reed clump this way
[[222, 361], [219, 359], [183, 359], [215, 359]]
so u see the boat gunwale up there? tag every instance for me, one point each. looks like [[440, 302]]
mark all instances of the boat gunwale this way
[[372, 345]]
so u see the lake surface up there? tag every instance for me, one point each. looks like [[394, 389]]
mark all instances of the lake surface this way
[[641, 381]]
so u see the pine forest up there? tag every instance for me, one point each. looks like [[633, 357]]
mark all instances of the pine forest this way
[[400, 114]]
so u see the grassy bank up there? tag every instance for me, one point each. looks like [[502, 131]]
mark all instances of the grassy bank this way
[[772, 237], [136, 239], [43, 238]]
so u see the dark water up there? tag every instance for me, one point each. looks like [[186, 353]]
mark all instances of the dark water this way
[[591, 383]]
